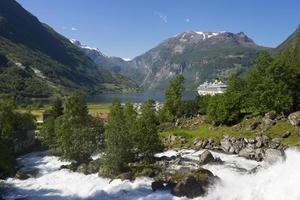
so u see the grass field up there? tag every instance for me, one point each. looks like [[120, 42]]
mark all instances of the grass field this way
[[93, 109], [208, 131]]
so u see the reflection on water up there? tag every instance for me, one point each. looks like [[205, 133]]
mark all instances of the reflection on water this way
[[133, 97]]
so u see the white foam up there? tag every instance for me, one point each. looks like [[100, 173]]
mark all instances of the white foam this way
[[280, 181]]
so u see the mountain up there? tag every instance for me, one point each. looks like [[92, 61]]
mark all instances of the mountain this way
[[37, 54], [199, 56], [291, 41], [115, 64]]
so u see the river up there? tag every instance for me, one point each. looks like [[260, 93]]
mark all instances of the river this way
[[280, 181]]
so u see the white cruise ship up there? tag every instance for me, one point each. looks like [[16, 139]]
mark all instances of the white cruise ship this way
[[211, 88]]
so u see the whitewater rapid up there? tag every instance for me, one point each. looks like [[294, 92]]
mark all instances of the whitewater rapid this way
[[280, 181]]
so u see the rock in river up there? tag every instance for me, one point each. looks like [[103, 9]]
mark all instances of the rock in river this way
[[206, 157], [294, 118], [274, 155]]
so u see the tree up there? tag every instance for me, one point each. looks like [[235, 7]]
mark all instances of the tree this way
[[173, 102], [11, 125], [77, 135], [47, 132], [270, 85], [57, 108], [76, 109], [118, 151], [147, 139], [7, 157]]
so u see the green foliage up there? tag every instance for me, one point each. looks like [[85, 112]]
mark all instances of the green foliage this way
[[271, 85], [147, 139], [223, 109], [47, 133], [38, 47], [117, 139], [74, 135], [22, 83], [57, 108], [12, 126], [202, 103], [173, 102], [189, 108], [7, 158]]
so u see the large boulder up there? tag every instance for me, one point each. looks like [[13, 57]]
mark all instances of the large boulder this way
[[232, 144], [82, 168], [194, 184], [294, 118], [190, 187], [225, 143], [271, 115], [206, 157], [157, 185], [21, 175], [272, 156], [247, 152]]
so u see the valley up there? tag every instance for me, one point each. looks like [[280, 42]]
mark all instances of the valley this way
[[201, 114]]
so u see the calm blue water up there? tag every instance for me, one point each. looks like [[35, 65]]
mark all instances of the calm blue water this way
[[133, 97]]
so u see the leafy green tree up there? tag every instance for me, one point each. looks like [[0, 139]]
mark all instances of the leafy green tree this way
[[130, 116], [12, 124], [202, 103], [224, 109], [173, 99], [269, 86], [75, 109], [118, 151], [147, 139], [57, 108], [7, 118], [77, 135], [47, 132]]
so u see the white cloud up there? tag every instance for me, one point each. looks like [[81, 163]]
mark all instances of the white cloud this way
[[126, 59], [187, 20], [162, 16], [74, 29]]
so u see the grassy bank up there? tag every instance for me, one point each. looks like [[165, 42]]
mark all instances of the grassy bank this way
[[205, 130], [93, 109]]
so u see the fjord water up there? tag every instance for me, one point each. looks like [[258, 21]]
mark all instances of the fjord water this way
[[278, 181], [134, 97]]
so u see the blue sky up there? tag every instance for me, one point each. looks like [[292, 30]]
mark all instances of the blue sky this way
[[127, 28]]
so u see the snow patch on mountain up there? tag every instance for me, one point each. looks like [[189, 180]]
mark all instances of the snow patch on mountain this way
[[84, 46], [207, 35]]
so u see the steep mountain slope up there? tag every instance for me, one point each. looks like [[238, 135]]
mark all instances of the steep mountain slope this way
[[115, 64], [49, 56], [197, 55], [291, 41]]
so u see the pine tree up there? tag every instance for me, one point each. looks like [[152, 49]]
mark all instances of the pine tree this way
[[147, 139], [57, 108], [47, 132], [7, 118], [130, 116], [173, 100], [77, 134], [117, 140]]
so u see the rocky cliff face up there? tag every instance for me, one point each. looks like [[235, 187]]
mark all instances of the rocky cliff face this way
[[196, 55], [199, 56]]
